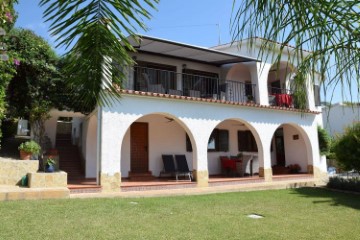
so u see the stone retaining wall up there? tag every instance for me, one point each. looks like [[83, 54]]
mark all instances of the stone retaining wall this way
[[47, 180], [11, 171]]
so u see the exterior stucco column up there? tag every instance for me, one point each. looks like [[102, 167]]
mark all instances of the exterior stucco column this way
[[264, 157], [201, 172], [265, 169], [114, 126], [310, 93], [259, 76], [200, 133], [317, 164]]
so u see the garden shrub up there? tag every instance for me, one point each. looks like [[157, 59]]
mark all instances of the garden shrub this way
[[348, 184], [324, 141], [347, 148]]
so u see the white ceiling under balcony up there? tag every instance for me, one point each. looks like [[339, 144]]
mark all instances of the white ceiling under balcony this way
[[185, 51]]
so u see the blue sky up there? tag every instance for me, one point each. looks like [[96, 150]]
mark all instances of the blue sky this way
[[197, 22], [190, 21]]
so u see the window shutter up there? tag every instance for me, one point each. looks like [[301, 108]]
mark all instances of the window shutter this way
[[246, 142], [241, 141], [317, 95], [223, 145]]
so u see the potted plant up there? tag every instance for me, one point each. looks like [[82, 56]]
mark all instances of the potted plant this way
[[50, 165], [240, 155], [250, 98], [27, 149]]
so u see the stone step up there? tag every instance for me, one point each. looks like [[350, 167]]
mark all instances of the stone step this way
[[147, 176]]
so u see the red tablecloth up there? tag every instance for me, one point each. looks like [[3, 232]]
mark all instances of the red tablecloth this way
[[228, 164], [283, 100]]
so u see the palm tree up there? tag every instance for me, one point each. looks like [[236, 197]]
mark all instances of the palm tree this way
[[329, 29], [95, 33]]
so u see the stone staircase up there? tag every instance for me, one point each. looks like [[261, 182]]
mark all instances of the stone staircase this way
[[69, 156]]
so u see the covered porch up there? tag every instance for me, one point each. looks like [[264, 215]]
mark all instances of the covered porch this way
[[156, 184], [202, 137]]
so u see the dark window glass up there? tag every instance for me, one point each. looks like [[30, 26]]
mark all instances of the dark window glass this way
[[246, 142], [218, 141]]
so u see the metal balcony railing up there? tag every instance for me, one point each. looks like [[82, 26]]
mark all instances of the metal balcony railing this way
[[200, 86], [280, 97]]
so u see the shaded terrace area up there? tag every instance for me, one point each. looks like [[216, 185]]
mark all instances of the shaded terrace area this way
[[191, 83]]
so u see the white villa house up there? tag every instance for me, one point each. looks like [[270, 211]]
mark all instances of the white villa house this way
[[340, 116], [203, 103]]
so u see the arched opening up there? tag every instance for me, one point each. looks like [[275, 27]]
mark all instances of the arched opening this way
[[147, 140], [238, 86], [233, 150], [279, 84], [290, 150], [64, 133]]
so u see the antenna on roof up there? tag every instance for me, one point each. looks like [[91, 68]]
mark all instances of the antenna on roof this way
[[218, 25]]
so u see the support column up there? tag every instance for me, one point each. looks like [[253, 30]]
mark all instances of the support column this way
[[266, 173], [109, 162], [264, 156], [200, 133], [259, 75], [310, 93], [201, 172], [114, 127], [110, 182]]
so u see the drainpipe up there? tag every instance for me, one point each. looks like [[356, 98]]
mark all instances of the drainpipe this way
[[98, 144]]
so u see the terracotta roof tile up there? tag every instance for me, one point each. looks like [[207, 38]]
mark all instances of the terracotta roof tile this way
[[254, 105]]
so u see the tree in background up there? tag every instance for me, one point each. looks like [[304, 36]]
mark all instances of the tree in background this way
[[347, 148], [95, 32], [324, 141], [8, 61], [328, 29]]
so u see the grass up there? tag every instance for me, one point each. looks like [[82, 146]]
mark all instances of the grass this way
[[306, 213]]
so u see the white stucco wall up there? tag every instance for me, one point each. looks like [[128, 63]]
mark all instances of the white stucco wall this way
[[295, 149], [338, 117], [239, 72], [233, 126], [164, 138], [260, 73], [91, 149], [85, 128], [199, 119]]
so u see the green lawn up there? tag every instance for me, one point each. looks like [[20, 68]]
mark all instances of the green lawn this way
[[306, 213]]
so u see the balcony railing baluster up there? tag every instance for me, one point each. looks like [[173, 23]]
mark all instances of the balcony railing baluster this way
[[199, 86]]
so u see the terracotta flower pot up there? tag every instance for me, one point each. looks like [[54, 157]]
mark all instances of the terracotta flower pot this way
[[25, 155]]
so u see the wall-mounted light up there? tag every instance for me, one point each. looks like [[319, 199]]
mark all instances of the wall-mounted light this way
[[184, 66]]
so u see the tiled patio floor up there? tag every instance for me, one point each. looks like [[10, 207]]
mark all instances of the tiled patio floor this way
[[90, 186]]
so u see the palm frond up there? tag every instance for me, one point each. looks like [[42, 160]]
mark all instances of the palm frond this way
[[328, 29], [95, 34]]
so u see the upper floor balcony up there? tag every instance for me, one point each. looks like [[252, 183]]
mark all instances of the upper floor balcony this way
[[178, 69], [206, 86]]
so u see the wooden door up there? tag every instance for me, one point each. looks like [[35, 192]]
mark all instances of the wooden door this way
[[139, 138], [280, 151]]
